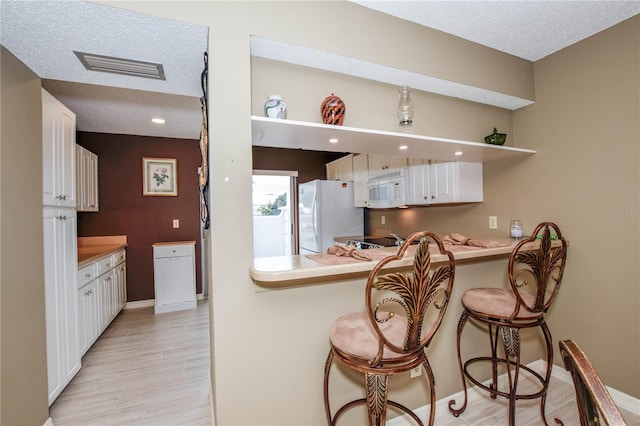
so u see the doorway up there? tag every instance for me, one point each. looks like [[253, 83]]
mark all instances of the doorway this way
[[274, 213]]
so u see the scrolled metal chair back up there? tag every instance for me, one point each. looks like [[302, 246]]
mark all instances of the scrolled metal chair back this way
[[536, 267], [411, 295]]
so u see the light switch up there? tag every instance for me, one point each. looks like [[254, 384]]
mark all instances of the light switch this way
[[493, 222], [176, 223], [382, 220]]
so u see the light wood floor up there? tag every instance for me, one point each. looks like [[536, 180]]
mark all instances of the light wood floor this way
[[145, 369], [149, 369]]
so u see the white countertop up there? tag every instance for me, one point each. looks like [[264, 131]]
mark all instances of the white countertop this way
[[284, 271]]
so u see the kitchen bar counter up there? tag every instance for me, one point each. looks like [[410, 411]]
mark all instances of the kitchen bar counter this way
[[286, 271], [92, 248]]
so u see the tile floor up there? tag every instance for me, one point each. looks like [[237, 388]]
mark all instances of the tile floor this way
[[145, 369], [149, 369]]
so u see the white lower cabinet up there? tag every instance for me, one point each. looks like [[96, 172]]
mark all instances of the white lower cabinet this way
[[60, 258], [88, 315], [102, 294], [174, 276]]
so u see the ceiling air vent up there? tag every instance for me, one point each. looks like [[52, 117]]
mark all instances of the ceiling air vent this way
[[121, 66]]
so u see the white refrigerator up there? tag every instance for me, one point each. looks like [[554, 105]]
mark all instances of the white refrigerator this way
[[326, 211]]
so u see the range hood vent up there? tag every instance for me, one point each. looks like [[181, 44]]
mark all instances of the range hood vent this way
[[121, 66]]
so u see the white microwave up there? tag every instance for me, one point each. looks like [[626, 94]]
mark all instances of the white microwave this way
[[388, 190]]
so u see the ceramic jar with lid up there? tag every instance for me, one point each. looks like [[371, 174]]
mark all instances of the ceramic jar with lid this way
[[332, 110], [275, 107]]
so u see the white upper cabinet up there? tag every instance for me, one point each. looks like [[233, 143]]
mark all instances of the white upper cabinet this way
[[360, 175], [86, 180], [419, 186], [340, 169], [450, 182], [58, 153], [381, 163]]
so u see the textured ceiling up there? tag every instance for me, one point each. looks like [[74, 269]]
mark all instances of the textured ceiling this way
[[44, 34], [528, 29]]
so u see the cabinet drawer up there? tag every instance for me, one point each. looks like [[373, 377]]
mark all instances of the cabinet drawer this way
[[104, 264], [119, 257], [86, 274], [173, 250]]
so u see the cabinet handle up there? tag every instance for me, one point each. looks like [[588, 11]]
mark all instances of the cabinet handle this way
[[61, 197], [61, 217], [87, 275]]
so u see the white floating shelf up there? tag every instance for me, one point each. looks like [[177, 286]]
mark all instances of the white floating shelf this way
[[315, 136]]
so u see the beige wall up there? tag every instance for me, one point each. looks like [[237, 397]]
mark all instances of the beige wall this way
[[23, 362], [269, 347], [585, 177]]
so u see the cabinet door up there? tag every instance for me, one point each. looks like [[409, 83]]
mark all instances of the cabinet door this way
[[61, 297], [86, 180], [121, 284], [443, 182], [105, 300], [360, 175], [340, 169], [376, 163], [88, 316], [58, 153], [394, 162], [175, 280], [419, 182], [456, 182], [80, 182], [333, 171], [66, 167], [380, 163], [92, 182], [49, 151]]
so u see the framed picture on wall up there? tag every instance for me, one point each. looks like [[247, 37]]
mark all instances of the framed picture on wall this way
[[159, 177]]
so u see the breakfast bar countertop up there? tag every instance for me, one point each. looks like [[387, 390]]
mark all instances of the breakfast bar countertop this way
[[93, 248], [286, 271]]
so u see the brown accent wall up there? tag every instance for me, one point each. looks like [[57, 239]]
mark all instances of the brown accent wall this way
[[144, 220], [309, 164]]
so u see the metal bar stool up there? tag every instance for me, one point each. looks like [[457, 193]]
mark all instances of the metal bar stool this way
[[403, 313], [536, 267], [595, 405]]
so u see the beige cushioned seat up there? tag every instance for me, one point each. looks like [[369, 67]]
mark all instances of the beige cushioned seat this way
[[497, 303], [353, 334]]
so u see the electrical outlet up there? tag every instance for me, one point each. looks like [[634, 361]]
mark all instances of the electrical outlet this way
[[383, 220], [416, 372], [176, 223], [493, 222]]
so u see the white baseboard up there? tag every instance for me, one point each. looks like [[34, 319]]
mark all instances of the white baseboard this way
[[621, 399], [140, 304], [49, 422], [152, 302]]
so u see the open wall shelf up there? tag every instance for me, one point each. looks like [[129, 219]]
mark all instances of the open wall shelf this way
[[315, 136]]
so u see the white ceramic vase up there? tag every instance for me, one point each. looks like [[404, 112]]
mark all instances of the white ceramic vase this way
[[275, 107]]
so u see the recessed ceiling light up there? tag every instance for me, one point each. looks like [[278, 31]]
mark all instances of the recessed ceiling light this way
[[403, 147], [457, 153], [333, 140], [158, 120]]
